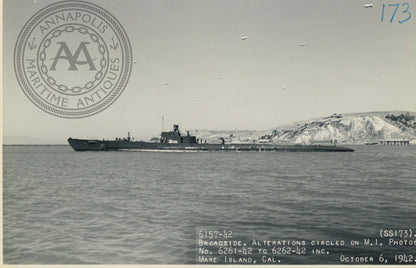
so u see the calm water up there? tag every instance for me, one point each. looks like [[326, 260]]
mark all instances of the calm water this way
[[66, 207]]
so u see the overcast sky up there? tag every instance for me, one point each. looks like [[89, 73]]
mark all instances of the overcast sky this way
[[194, 69]]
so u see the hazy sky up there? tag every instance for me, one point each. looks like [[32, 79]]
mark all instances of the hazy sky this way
[[194, 69]]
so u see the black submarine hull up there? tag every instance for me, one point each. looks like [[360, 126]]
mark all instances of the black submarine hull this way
[[117, 145]]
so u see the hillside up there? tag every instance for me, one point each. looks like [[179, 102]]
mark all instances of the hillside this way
[[355, 128]]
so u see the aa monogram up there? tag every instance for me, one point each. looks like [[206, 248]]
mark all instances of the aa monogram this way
[[73, 59]]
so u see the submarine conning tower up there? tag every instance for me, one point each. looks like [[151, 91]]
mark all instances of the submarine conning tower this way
[[176, 137]]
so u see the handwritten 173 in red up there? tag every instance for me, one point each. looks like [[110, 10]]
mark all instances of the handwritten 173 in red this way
[[402, 9]]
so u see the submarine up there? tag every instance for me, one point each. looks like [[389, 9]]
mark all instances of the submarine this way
[[175, 141]]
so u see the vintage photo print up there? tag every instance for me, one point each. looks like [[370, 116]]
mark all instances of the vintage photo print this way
[[208, 132]]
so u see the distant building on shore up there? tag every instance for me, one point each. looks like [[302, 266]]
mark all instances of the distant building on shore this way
[[394, 142]]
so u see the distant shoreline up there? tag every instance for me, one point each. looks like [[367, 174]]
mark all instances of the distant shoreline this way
[[36, 144], [348, 129], [348, 144]]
